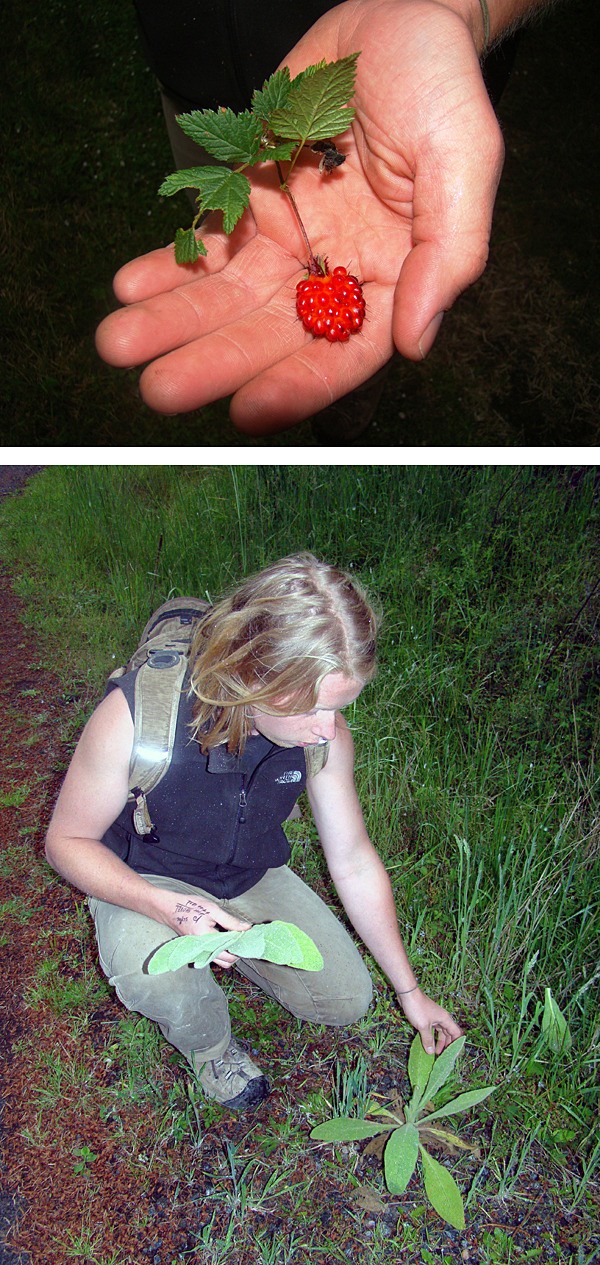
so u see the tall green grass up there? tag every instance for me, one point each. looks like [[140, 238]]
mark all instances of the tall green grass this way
[[476, 744]]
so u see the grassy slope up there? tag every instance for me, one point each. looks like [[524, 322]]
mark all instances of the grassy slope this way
[[516, 363], [476, 768]]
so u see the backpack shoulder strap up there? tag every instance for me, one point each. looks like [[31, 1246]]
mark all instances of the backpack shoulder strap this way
[[158, 689], [161, 660], [316, 758]]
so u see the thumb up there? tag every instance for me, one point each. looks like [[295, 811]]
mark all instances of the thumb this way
[[428, 1040], [431, 279]]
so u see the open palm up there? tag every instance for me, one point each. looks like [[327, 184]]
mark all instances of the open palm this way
[[409, 213]]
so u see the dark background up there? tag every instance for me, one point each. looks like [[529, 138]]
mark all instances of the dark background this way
[[84, 145]]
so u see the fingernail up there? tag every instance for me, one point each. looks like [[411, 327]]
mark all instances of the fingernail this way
[[428, 338]]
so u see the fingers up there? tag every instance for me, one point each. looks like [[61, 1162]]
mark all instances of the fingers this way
[[158, 324], [282, 373], [319, 372], [150, 274], [226, 960]]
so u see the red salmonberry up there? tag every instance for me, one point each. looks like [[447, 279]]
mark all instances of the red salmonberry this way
[[330, 304]]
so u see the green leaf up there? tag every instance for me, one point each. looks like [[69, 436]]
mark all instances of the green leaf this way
[[400, 1158], [555, 1029], [442, 1067], [346, 1129], [280, 942], [187, 178], [289, 945], [462, 1103], [419, 1064], [186, 949], [278, 153], [224, 190], [230, 137], [188, 247], [442, 1191], [272, 96], [317, 106]]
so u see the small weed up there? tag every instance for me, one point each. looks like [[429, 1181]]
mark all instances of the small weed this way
[[84, 1159], [412, 1126], [16, 797]]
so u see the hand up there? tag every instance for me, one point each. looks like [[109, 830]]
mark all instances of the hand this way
[[436, 1026], [409, 213], [195, 916]]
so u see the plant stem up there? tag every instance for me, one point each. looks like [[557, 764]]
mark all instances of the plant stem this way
[[313, 263]]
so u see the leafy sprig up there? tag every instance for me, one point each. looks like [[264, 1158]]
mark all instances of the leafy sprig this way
[[285, 116]]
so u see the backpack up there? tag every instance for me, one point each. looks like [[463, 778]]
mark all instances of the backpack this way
[[162, 657]]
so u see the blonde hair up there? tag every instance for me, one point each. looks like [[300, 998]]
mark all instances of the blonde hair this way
[[274, 638]]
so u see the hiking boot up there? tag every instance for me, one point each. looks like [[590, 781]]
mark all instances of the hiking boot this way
[[234, 1080]]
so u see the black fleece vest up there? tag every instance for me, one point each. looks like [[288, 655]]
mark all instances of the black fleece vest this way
[[218, 817]]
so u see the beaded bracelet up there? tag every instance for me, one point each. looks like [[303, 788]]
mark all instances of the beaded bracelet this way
[[485, 13]]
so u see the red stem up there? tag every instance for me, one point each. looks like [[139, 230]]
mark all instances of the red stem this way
[[313, 263]]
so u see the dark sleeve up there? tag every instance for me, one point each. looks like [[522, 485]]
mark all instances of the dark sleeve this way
[[208, 53], [126, 684]]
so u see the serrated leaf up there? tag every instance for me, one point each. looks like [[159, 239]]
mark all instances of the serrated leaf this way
[[186, 178], [442, 1191], [461, 1103], [555, 1028], [230, 137], [443, 1066], [400, 1158], [188, 247], [419, 1064], [272, 96], [346, 1129], [317, 107], [224, 190], [278, 153]]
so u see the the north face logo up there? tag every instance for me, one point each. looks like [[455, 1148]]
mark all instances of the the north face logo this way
[[292, 775]]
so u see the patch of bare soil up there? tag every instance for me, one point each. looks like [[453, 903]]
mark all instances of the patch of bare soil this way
[[94, 1173]]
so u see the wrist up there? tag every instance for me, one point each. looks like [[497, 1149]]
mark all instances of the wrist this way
[[476, 17]]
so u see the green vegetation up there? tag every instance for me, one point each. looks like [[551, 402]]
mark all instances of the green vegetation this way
[[403, 1141], [476, 766]]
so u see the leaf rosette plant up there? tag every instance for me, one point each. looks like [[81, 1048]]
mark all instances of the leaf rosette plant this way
[[408, 1127]]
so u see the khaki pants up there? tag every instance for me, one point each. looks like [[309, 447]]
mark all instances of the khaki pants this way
[[189, 1006]]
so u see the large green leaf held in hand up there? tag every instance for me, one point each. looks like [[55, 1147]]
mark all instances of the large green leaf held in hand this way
[[280, 942]]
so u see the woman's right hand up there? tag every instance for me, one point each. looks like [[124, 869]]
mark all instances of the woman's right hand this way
[[197, 916]]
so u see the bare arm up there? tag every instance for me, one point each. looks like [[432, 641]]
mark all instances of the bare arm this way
[[93, 794], [365, 889], [504, 16]]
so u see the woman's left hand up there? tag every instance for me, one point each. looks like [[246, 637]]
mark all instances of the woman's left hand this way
[[436, 1026]]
